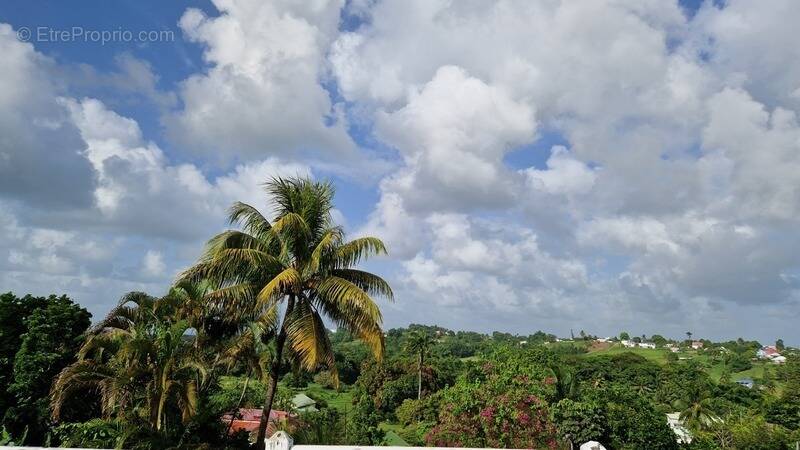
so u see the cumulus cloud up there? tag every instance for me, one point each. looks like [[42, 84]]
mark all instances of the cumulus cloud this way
[[668, 202], [262, 93], [82, 188], [153, 264], [453, 135], [40, 159], [678, 174]]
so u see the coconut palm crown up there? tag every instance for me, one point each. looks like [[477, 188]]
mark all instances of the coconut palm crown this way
[[297, 266], [139, 361]]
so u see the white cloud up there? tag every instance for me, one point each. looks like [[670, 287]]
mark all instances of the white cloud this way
[[674, 186], [82, 187], [453, 134], [760, 150], [669, 201], [153, 264], [754, 48], [262, 94], [40, 158], [564, 175]]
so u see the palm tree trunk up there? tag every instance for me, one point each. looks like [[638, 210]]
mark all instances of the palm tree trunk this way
[[419, 378], [239, 403], [274, 373]]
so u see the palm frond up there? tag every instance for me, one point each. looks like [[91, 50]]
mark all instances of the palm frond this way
[[330, 239], [368, 282], [353, 252], [308, 338], [278, 287], [352, 309], [250, 219], [292, 224]]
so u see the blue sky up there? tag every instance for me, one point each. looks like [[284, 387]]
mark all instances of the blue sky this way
[[601, 167]]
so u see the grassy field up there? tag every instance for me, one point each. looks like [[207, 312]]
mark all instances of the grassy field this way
[[342, 401], [655, 355], [714, 369]]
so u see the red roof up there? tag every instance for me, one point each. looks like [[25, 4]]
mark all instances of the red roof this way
[[769, 350], [248, 419]]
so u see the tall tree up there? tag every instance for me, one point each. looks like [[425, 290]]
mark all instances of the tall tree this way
[[13, 312], [140, 362], [299, 264], [53, 333], [419, 343], [696, 408]]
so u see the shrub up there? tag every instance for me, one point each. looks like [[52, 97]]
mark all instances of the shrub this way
[[325, 379], [96, 433]]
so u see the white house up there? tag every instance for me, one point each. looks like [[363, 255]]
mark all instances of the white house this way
[[647, 345], [778, 359], [682, 435], [767, 351]]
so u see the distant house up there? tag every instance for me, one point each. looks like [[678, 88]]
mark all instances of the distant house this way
[[628, 344], [778, 359], [303, 403], [673, 348], [697, 345], [746, 382], [767, 351], [682, 435], [248, 419], [647, 345]]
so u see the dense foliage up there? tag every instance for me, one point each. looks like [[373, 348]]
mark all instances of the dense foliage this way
[[38, 337]]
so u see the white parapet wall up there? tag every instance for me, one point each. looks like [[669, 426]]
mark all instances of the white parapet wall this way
[[282, 441]]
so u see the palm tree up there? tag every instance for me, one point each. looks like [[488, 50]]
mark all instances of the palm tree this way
[[689, 337], [418, 343], [189, 301], [298, 264], [696, 409], [566, 383], [249, 348], [139, 361]]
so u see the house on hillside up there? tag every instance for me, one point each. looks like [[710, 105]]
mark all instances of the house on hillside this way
[[777, 359], [628, 344], [303, 403], [767, 352], [247, 419], [673, 348], [647, 345], [697, 345], [746, 382]]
